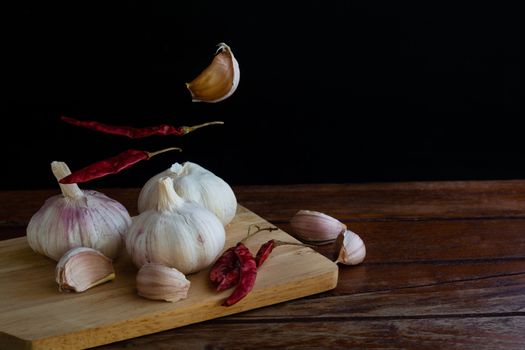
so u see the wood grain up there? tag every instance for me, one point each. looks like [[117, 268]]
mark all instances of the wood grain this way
[[445, 269], [427, 333], [33, 312]]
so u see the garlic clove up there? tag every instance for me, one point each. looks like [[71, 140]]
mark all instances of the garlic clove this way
[[315, 227], [351, 248], [219, 80], [83, 268], [160, 282]]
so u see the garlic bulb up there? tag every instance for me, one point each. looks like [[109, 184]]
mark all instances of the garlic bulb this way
[[316, 227], [351, 248], [82, 268], [193, 182], [77, 218], [177, 233], [159, 282], [219, 80]]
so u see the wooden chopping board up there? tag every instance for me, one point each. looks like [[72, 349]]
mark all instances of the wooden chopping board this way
[[35, 315]]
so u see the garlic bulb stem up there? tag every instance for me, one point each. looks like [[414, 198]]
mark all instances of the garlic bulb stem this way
[[168, 199], [61, 170]]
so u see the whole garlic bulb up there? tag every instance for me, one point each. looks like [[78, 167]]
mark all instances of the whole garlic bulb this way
[[77, 218], [177, 233], [193, 182]]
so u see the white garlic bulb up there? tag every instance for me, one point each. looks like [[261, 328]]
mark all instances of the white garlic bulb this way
[[193, 182], [350, 247], [159, 282], [77, 218], [177, 233]]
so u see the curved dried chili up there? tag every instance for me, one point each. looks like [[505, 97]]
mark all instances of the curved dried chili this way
[[263, 252], [248, 274], [111, 165], [135, 133]]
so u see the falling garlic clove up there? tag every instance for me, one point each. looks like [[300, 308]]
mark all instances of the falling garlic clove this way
[[315, 227], [82, 268], [160, 282], [350, 247], [219, 80]]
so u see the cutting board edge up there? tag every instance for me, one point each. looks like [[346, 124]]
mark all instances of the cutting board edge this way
[[323, 283]]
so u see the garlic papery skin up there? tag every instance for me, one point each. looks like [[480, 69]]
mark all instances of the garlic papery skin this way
[[176, 232], [316, 227], [160, 282], [193, 182], [82, 268], [351, 248], [77, 218], [219, 80]]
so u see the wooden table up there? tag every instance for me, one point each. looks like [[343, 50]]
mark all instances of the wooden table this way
[[445, 269]]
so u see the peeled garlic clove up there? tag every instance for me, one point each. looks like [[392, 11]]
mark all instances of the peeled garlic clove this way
[[351, 248], [219, 80], [316, 227], [160, 282], [195, 183], [83, 268]]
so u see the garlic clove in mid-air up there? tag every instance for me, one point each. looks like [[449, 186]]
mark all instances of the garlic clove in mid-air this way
[[82, 268], [195, 183], [160, 282], [77, 218], [316, 227], [177, 233], [219, 80], [350, 248]]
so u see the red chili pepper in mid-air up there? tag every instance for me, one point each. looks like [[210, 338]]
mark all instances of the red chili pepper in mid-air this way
[[248, 274], [135, 133], [111, 165]]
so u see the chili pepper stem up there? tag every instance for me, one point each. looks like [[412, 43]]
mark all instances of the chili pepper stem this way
[[259, 229], [188, 129], [152, 154]]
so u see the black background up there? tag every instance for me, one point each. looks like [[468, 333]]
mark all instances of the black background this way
[[330, 91]]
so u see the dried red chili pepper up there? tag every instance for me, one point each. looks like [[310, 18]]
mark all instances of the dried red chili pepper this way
[[231, 278], [111, 165], [223, 265], [248, 274], [135, 133], [263, 252]]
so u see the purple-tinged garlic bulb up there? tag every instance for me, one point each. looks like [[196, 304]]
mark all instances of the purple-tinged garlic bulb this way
[[77, 218]]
